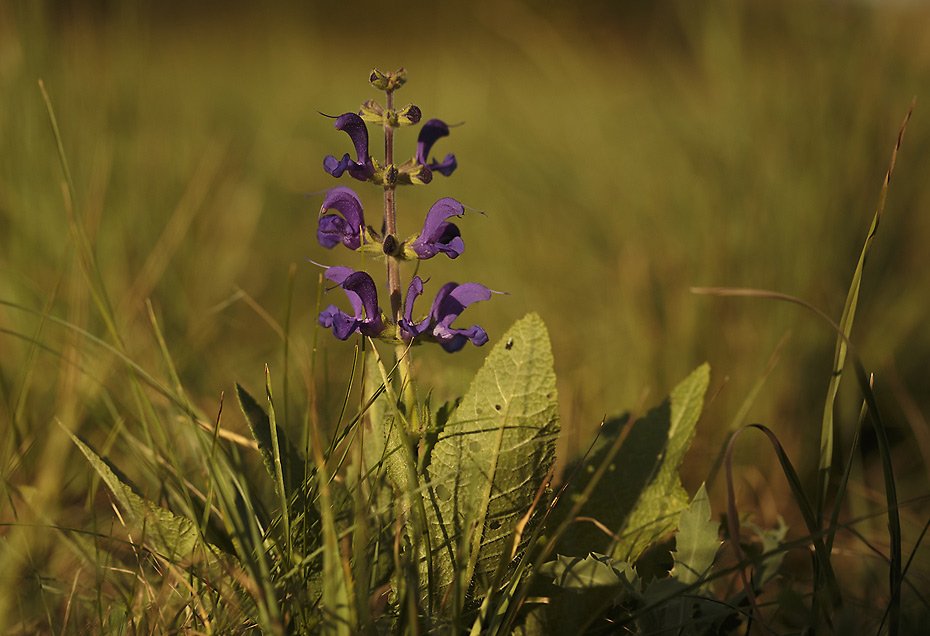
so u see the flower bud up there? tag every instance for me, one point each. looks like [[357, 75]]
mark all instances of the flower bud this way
[[411, 172], [390, 175], [389, 81]]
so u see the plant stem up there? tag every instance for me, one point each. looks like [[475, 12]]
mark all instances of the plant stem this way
[[390, 215], [393, 267]]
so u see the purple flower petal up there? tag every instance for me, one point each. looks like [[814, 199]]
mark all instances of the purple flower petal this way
[[363, 296], [362, 167], [439, 236], [450, 301], [334, 229], [408, 327], [439, 212], [448, 307], [453, 340], [342, 324], [338, 274], [363, 286], [432, 131], [335, 166], [355, 127], [446, 167]]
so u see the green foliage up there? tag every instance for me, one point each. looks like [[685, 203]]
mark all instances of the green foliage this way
[[594, 570], [598, 591], [767, 556], [166, 166], [630, 481], [696, 542], [173, 537], [287, 460], [491, 458], [640, 496], [656, 510]]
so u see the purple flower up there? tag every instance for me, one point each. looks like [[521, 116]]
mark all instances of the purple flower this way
[[438, 235], [451, 300], [362, 168], [432, 131], [346, 229], [363, 296]]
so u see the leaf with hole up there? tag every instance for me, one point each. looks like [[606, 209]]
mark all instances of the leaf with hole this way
[[492, 457]]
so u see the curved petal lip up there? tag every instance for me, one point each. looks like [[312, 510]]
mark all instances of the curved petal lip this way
[[450, 301], [430, 133]]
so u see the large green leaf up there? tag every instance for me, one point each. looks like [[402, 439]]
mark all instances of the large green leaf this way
[[639, 495], [164, 532], [492, 457], [660, 502]]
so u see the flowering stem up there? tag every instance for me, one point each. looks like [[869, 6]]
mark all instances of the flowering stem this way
[[402, 353], [390, 214]]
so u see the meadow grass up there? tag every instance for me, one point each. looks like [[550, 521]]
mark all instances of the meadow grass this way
[[621, 157]]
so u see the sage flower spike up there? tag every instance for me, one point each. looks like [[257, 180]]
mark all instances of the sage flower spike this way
[[362, 168], [438, 235], [432, 131], [346, 229], [366, 318], [451, 300]]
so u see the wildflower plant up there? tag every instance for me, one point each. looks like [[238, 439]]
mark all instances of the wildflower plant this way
[[459, 480], [469, 485], [423, 519]]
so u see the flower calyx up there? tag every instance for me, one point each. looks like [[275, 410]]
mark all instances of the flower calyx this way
[[373, 112], [391, 247], [390, 81], [412, 173]]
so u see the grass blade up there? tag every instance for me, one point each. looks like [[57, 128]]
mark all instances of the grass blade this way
[[845, 327], [276, 462], [813, 526]]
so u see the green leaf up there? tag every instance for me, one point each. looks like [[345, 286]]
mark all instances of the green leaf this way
[[164, 532], [492, 457], [640, 495], [581, 589], [293, 467], [768, 559], [595, 570], [656, 511], [697, 542]]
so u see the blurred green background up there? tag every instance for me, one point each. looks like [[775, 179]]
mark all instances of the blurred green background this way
[[622, 153]]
